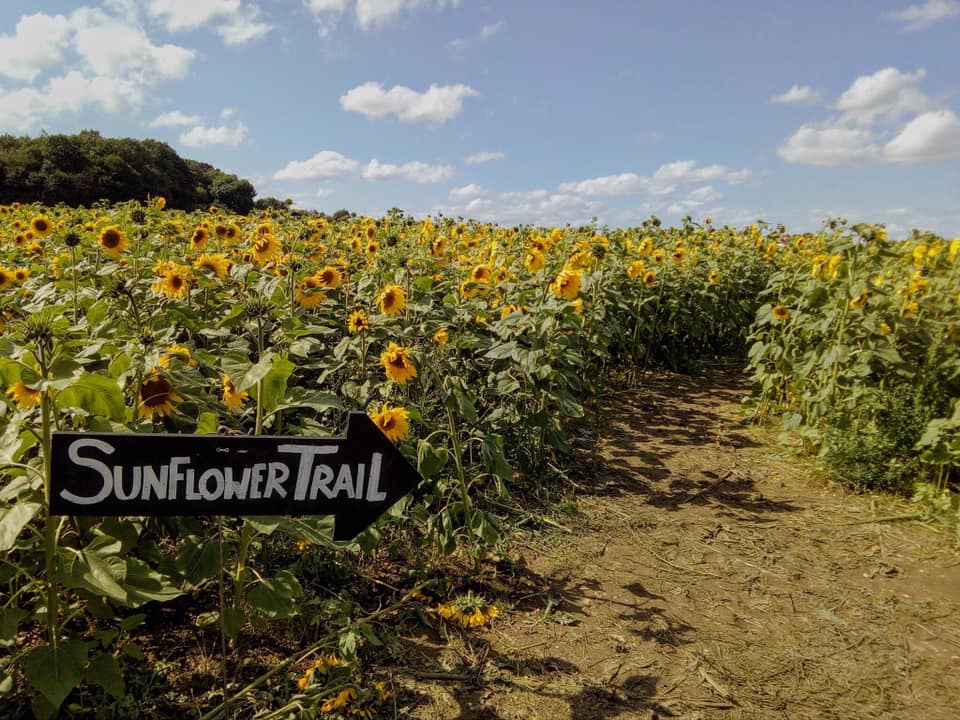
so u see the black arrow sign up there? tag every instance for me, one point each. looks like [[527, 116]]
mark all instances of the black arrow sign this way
[[356, 479]]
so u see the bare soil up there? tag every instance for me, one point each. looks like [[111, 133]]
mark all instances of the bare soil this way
[[705, 573]]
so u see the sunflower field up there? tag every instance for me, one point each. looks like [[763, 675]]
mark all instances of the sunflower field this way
[[475, 348]]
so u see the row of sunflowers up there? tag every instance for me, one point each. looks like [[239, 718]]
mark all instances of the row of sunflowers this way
[[474, 347]]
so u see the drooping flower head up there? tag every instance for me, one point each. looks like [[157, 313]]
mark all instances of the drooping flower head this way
[[157, 398], [394, 422], [392, 300], [397, 363]]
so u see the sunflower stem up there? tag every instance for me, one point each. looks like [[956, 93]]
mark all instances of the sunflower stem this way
[[52, 527]]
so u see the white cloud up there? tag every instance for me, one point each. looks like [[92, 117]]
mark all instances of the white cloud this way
[[928, 137], [488, 31], [416, 171], [458, 44], [871, 127], [918, 17], [227, 113], [483, 157], [662, 182], [37, 43], [113, 48], [25, 108], [435, 106], [696, 199], [325, 165], [324, 192], [369, 14], [467, 192], [539, 207], [377, 13], [175, 118], [236, 23], [201, 136], [887, 94], [798, 95]]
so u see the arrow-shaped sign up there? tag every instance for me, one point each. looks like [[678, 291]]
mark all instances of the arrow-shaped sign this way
[[355, 479]]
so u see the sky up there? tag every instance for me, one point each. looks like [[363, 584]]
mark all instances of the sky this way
[[521, 111]]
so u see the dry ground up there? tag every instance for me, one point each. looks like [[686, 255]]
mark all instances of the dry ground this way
[[706, 574]]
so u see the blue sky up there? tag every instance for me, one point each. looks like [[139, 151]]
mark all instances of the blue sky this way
[[522, 111]]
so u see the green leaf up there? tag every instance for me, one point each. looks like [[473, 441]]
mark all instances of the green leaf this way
[[256, 373], [95, 573], [96, 394], [277, 597], [263, 525], [494, 459], [10, 619], [144, 584], [501, 351], [430, 460], [104, 670], [54, 672], [233, 621], [316, 529], [207, 424], [12, 521], [6, 685], [197, 559], [275, 383]]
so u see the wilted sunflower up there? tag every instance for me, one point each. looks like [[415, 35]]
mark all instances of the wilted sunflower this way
[[25, 397], [232, 397], [358, 322], [394, 422], [113, 240], [310, 292], [216, 263], [177, 352], [780, 312], [397, 363], [41, 225], [156, 397], [392, 300], [566, 284], [265, 248]]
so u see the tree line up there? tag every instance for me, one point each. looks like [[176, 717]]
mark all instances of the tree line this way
[[85, 168]]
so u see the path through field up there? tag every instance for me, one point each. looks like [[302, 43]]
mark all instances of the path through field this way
[[707, 574]]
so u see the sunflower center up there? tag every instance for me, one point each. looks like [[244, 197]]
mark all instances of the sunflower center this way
[[110, 239], [154, 392]]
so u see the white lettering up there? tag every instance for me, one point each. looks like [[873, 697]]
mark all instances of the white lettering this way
[[236, 490], [154, 484], [277, 474], [192, 493], [255, 493], [134, 491], [373, 482], [176, 477], [101, 468], [322, 477], [344, 481], [307, 454]]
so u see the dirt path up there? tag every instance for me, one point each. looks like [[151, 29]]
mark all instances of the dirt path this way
[[708, 575]]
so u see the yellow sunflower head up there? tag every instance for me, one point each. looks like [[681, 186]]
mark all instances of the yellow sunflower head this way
[[358, 322], [397, 363], [113, 240], [394, 422], [392, 300], [157, 398]]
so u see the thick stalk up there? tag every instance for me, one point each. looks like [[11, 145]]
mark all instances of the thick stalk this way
[[52, 527], [464, 490]]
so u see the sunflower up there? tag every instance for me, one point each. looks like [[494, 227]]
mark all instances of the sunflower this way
[[233, 232], [341, 699], [659, 255], [859, 302], [199, 239], [25, 397], [394, 422], [328, 276], [372, 247], [265, 248], [220, 230], [392, 300], [160, 203], [6, 278], [508, 309], [645, 247], [310, 293], [566, 284], [216, 263], [481, 273], [156, 397], [636, 269], [397, 363], [713, 276], [232, 397], [780, 313], [649, 278], [441, 336], [113, 240], [41, 225], [175, 283], [358, 322]]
